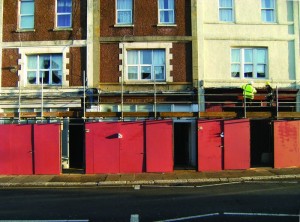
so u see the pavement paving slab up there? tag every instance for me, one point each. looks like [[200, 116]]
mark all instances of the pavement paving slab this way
[[285, 171], [127, 177], [5, 179], [173, 178], [80, 178], [149, 176]]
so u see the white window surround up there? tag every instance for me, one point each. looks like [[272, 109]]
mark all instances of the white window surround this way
[[127, 46], [22, 62]]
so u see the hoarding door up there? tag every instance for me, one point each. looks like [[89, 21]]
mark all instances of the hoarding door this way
[[47, 150], [21, 149], [16, 149], [236, 144], [210, 145], [159, 146], [286, 144], [132, 147], [102, 144], [5, 150]]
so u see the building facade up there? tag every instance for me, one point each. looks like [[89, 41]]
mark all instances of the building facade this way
[[43, 55], [79, 63], [146, 56], [243, 40]]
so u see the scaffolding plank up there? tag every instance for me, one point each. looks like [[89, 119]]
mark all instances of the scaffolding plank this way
[[177, 114], [137, 114], [101, 114], [218, 114], [7, 115], [259, 114], [28, 114], [60, 114], [289, 114]]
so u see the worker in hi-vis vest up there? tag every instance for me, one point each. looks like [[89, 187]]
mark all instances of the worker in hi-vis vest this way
[[249, 91]]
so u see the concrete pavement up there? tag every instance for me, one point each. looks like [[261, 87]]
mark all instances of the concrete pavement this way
[[178, 177]]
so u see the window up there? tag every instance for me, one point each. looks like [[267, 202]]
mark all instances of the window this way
[[166, 11], [26, 14], [64, 13], [248, 62], [44, 69], [226, 10], [124, 12], [268, 10], [146, 65]]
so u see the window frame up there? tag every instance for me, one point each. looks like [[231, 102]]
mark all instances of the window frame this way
[[123, 47], [20, 16], [38, 70], [163, 10], [273, 10], [130, 10], [141, 65], [255, 63], [227, 8], [57, 14]]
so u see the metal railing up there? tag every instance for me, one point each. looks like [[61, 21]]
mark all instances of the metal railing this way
[[37, 104]]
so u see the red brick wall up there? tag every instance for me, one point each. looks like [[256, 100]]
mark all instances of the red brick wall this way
[[9, 59], [109, 63], [146, 19], [44, 22], [182, 62], [76, 66]]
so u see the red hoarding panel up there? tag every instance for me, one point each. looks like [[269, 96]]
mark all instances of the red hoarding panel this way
[[102, 147], [5, 150], [236, 144], [89, 148], [47, 152], [16, 149], [286, 144], [132, 147], [159, 146], [21, 149], [210, 145]]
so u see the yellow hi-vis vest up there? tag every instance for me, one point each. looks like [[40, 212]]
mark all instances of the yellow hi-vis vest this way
[[249, 91]]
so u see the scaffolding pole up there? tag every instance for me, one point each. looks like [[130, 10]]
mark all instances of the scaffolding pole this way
[[42, 105], [155, 111], [277, 102], [19, 110], [84, 88]]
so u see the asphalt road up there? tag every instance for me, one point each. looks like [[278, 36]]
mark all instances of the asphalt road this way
[[251, 201]]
